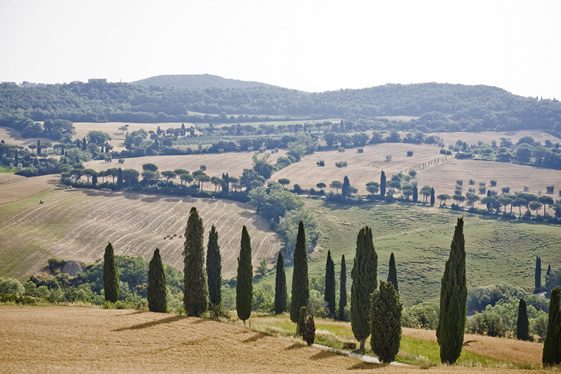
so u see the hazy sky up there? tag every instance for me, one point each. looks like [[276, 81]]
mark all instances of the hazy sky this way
[[308, 45]]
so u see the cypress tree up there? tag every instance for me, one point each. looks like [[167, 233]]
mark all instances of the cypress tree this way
[[309, 334], [415, 194], [329, 296], [214, 268], [300, 289], [386, 322], [195, 294], [392, 273], [94, 180], [300, 325], [120, 178], [552, 344], [522, 332], [342, 290], [432, 196], [346, 188], [383, 184], [453, 295], [110, 275], [364, 283], [538, 275], [244, 286], [280, 286], [157, 298]]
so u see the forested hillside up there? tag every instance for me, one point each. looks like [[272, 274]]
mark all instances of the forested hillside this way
[[197, 81], [440, 107]]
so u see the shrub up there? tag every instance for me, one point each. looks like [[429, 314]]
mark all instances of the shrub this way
[[421, 316], [309, 330], [10, 286], [493, 183]]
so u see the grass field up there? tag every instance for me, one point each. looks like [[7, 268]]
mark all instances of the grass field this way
[[419, 347], [497, 251], [78, 224], [216, 163], [11, 136], [362, 167], [84, 339]]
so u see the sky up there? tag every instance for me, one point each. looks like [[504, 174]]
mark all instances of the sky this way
[[303, 44]]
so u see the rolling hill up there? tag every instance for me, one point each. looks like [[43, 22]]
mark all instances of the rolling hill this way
[[197, 81]]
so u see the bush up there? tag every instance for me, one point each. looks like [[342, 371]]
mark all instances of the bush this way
[[480, 297], [10, 286], [421, 316]]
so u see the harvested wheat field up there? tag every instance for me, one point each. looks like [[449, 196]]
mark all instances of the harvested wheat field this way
[[361, 167], [488, 136], [216, 163], [76, 225], [82, 339], [118, 136], [15, 187], [443, 177]]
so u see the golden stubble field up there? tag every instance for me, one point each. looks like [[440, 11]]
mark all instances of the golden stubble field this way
[[84, 339], [77, 224], [216, 163], [14, 187], [362, 167], [12, 136]]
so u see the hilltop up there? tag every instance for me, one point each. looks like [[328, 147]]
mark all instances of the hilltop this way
[[197, 81]]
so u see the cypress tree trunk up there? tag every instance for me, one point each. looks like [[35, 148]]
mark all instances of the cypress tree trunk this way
[[383, 184], [552, 344], [110, 275], [157, 297], [214, 268], [392, 273], [386, 322], [280, 286], [522, 331], [538, 275], [300, 290], [364, 276], [453, 295], [195, 294], [329, 296], [244, 285], [342, 290]]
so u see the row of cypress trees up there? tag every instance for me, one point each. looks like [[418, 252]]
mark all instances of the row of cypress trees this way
[[157, 293]]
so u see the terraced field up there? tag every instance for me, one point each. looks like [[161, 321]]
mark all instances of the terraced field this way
[[77, 225]]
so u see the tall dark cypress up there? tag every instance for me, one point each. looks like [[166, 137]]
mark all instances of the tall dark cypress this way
[[346, 188], [214, 268], [342, 290], [552, 344], [385, 315], [538, 275], [110, 275], [244, 285], [415, 194], [195, 293], [392, 273], [522, 331], [300, 287], [280, 286], [383, 184], [157, 298], [364, 275], [120, 178], [329, 296], [453, 296], [432, 197]]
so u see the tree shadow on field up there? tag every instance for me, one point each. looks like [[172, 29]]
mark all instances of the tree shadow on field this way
[[255, 337], [151, 323], [295, 346], [131, 313], [322, 355], [367, 366]]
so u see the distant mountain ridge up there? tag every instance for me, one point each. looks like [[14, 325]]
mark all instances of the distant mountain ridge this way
[[198, 81]]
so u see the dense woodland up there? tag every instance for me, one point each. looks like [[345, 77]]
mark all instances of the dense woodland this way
[[439, 107]]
